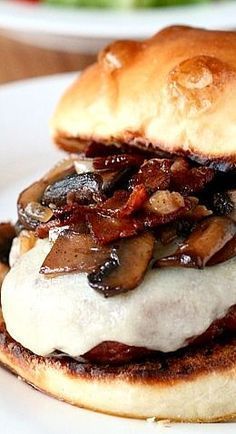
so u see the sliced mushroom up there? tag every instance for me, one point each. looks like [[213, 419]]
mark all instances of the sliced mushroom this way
[[34, 193], [167, 234], [125, 268], [227, 252], [199, 212], [73, 252], [84, 188], [207, 239], [110, 178], [7, 234]]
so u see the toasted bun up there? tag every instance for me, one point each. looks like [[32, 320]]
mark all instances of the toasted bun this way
[[175, 92], [197, 385]]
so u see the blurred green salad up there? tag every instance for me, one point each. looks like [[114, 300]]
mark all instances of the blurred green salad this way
[[123, 4]]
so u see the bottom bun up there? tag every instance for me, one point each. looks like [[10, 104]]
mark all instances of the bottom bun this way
[[194, 384]]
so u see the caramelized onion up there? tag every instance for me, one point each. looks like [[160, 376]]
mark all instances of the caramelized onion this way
[[36, 211], [84, 165], [73, 252], [125, 268], [164, 202], [207, 239]]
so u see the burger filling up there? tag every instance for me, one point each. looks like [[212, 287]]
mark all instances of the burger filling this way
[[121, 254]]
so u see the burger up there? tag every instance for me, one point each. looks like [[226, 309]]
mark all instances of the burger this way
[[121, 295]]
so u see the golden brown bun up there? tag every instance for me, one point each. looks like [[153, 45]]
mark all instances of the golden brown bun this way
[[175, 92], [197, 385]]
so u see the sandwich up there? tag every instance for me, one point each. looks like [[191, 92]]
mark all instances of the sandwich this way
[[121, 294]]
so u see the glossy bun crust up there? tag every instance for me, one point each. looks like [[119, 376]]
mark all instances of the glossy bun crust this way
[[197, 385], [175, 92]]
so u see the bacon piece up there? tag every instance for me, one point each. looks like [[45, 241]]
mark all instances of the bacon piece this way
[[117, 162], [113, 205], [135, 201], [122, 204], [43, 229], [187, 180], [106, 229], [73, 215], [153, 174], [180, 165], [207, 238]]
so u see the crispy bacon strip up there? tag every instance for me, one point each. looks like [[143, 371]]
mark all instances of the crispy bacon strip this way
[[187, 180], [122, 204], [106, 229], [153, 174]]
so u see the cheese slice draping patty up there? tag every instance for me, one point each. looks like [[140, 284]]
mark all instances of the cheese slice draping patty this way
[[64, 313]]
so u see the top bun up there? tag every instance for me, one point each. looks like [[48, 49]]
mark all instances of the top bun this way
[[174, 92]]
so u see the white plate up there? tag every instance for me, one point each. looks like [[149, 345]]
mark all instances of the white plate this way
[[88, 30], [25, 153]]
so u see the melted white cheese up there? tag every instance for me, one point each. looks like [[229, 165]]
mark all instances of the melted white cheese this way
[[64, 313]]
